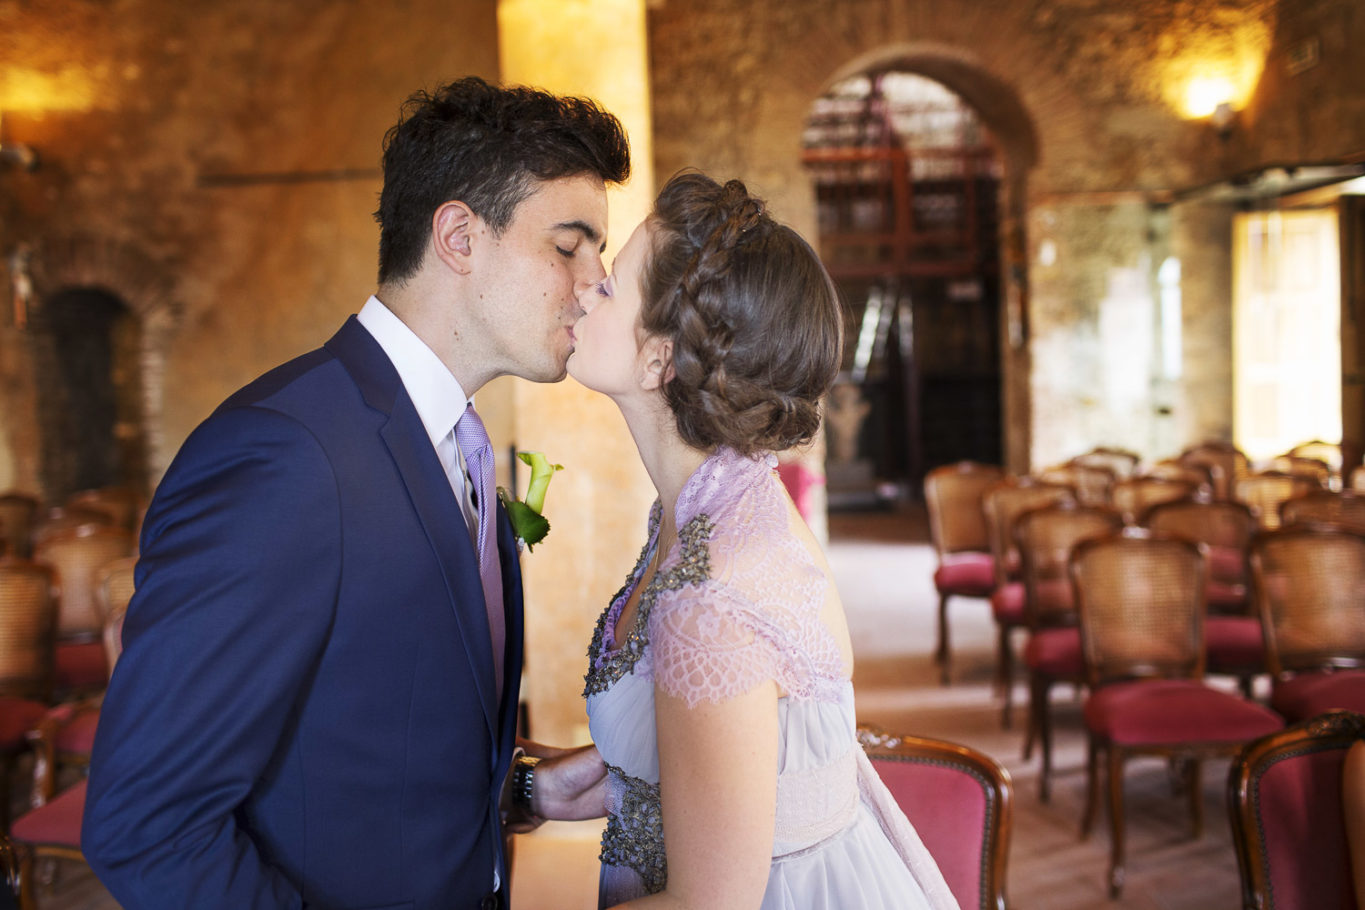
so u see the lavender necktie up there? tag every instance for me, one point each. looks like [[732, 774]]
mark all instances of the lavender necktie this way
[[472, 439]]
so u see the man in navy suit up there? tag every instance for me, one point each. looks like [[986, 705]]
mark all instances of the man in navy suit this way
[[308, 711]]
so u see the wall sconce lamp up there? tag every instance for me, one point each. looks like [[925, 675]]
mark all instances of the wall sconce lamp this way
[[16, 154], [1223, 119]]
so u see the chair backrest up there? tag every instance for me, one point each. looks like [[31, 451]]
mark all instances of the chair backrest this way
[[1045, 538], [1091, 482], [1314, 469], [1264, 491], [1225, 462], [1120, 462], [77, 555], [1140, 601], [1336, 455], [1133, 496], [1224, 526], [1197, 475], [1345, 509], [1003, 504], [961, 804], [1288, 826], [116, 587], [1309, 586], [18, 513], [953, 496], [66, 518], [120, 504], [28, 619], [1357, 478]]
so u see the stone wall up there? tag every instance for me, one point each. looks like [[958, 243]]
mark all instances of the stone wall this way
[[215, 166], [1087, 99]]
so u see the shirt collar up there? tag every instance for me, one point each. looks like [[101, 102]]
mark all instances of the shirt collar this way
[[435, 392]]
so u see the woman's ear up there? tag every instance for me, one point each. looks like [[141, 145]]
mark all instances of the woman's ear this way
[[452, 228], [657, 355]]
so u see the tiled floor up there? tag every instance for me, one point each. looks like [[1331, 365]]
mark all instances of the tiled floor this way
[[883, 567]]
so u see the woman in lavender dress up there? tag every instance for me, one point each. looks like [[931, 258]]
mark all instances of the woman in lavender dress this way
[[719, 683]]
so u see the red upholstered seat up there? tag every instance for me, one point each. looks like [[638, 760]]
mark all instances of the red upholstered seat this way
[[1310, 694], [1056, 652], [81, 666], [55, 823], [1234, 643], [17, 717], [78, 735], [966, 574], [1157, 711], [1227, 565], [1007, 604]]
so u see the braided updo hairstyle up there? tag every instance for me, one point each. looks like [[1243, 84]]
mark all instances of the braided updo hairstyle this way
[[752, 314]]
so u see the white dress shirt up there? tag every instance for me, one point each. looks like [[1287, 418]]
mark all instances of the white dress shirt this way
[[434, 391]]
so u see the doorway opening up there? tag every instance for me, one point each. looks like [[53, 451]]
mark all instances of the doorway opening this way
[[907, 186], [90, 393]]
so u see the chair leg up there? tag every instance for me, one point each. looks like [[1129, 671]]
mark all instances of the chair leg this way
[[1045, 739], [6, 769], [1244, 683], [1004, 677], [941, 653], [1193, 784], [28, 888], [1115, 821], [1092, 785], [1031, 721]]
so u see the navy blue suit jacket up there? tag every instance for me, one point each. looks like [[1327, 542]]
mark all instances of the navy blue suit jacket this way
[[304, 712]]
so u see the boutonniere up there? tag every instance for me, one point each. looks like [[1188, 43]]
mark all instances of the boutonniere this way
[[527, 521]]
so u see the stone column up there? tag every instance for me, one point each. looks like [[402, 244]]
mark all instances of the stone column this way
[[598, 504]]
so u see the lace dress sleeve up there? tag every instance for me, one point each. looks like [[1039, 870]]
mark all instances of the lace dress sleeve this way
[[709, 645]]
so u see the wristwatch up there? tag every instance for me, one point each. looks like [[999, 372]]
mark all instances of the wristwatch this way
[[523, 781]]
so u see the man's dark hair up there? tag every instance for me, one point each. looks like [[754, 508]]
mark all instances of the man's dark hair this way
[[487, 146]]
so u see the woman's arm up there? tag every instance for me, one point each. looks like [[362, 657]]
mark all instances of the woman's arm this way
[[718, 785]]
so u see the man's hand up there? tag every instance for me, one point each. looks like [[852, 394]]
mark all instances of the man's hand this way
[[569, 785]]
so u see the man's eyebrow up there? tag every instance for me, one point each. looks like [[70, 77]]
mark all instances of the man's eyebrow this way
[[586, 230]]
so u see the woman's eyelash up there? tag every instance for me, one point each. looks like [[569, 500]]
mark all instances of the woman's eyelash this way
[[602, 289]]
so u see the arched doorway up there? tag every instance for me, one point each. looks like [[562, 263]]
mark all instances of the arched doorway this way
[[908, 187], [90, 393]]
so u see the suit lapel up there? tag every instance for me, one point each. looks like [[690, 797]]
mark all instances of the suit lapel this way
[[431, 497]]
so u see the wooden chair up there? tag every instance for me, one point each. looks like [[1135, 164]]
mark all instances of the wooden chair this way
[[1135, 495], [51, 830], [1091, 482], [1312, 469], [961, 803], [1340, 457], [1344, 509], [1140, 600], [1285, 804], [28, 616], [1225, 463], [1196, 475], [953, 495], [1233, 639], [1004, 503], [120, 504], [1265, 490], [1309, 581], [77, 555], [1357, 478], [18, 513], [65, 736], [1045, 538], [1119, 462], [67, 518]]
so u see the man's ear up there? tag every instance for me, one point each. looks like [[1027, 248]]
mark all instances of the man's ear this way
[[657, 355], [452, 228]]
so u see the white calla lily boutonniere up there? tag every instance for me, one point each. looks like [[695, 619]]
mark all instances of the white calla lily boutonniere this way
[[528, 521]]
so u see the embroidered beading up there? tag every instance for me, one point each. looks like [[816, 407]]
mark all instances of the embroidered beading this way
[[634, 837], [693, 567]]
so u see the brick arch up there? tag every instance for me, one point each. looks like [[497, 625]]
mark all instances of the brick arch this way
[[144, 286], [1003, 111]]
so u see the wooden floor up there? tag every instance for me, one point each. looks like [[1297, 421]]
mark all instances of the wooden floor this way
[[884, 566]]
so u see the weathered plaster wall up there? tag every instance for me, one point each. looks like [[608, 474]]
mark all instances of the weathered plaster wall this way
[[147, 113], [1101, 88]]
